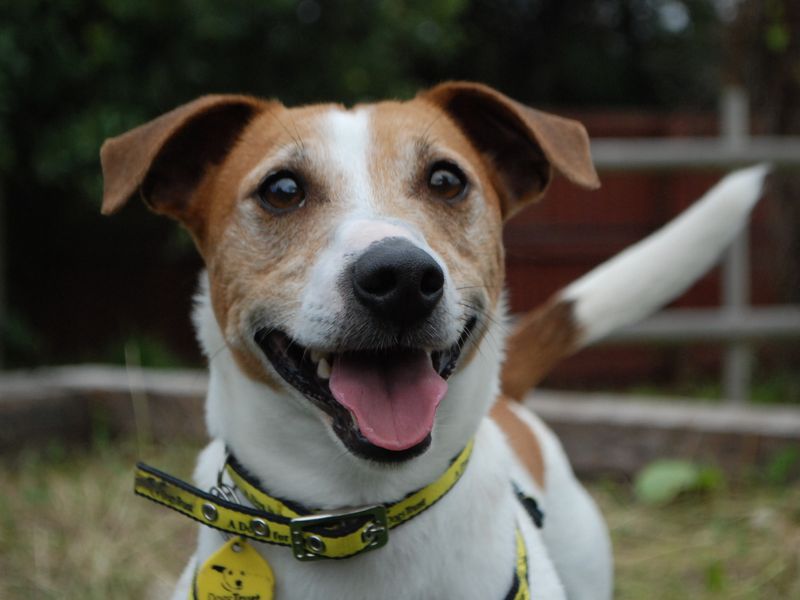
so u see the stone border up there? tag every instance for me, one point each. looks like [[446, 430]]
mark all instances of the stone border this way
[[602, 433], [77, 403], [618, 435]]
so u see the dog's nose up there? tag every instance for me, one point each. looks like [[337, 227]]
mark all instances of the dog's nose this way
[[397, 281]]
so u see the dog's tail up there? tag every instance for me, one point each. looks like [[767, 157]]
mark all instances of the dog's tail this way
[[631, 285]]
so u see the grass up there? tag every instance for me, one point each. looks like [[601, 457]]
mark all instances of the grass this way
[[741, 543], [70, 527]]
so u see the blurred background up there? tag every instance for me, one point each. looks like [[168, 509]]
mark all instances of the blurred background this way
[[674, 94], [77, 287]]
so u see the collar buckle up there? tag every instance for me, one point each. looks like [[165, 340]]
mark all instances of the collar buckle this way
[[308, 533]]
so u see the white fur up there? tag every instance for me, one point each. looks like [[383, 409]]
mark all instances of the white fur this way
[[649, 274], [348, 139], [257, 422], [461, 548], [575, 534]]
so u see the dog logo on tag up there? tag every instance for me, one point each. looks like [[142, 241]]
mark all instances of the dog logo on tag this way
[[235, 572], [233, 581]]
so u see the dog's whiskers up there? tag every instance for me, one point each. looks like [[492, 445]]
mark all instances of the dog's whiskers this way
[[477, 287], [218, 352], [298, 142], [426, 132]]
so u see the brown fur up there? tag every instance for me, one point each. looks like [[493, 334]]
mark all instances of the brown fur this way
[[522, 439], [539, 340]]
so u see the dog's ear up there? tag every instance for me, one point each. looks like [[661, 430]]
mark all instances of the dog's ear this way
[[520, 145], [165, 159], [218, 568]]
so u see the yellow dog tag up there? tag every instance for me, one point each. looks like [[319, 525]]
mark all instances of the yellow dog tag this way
[[235, 572]]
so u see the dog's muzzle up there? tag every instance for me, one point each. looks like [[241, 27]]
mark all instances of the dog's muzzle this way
[[383, 380]]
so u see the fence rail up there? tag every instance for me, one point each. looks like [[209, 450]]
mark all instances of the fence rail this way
[[735, 322], [776, 323], [612, 154]]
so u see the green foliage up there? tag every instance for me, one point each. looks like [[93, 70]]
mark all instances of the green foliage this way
[[18, 337], [715, 576], [770, 385], [781, 387], [778, 38], [145, 351], [778, 31], [89, 69], [73, 73], [93, 68], [784, 466], [663, 481]]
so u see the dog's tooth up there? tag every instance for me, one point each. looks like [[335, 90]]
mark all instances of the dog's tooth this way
[[323, 369], [316, 355]]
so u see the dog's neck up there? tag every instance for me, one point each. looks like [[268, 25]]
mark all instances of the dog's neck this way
[[282, 439]]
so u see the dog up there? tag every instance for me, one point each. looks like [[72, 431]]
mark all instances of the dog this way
[[353, 314], [232, 581]]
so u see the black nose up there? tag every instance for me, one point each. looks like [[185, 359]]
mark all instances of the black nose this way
[[397, 281]]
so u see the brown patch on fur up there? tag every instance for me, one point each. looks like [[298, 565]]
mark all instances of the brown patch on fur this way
[[189, 164], [539, 340], [523, 440], [253, 256], [520, 145]]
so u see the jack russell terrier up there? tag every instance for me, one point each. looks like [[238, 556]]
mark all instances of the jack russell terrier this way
[[353, 315]]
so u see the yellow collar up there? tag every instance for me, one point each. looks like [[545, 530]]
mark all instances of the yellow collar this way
[[311, 536], [520, 589]]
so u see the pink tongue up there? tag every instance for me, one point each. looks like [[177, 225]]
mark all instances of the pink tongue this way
[[393, 398]]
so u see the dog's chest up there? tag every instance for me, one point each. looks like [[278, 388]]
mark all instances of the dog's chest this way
[[463, 547]]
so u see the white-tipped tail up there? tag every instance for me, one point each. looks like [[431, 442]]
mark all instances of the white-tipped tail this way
[[654, 271]]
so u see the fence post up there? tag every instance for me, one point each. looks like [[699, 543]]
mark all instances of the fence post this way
[[3, 279], [738, 361]]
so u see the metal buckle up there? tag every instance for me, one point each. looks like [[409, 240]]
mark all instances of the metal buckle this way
[[225, 492], [308, 545]]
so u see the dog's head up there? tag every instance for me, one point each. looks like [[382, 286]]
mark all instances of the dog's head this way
[[354, 257], [232, 579]]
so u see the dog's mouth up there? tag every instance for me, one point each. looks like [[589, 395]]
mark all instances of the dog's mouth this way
[[382, 402]]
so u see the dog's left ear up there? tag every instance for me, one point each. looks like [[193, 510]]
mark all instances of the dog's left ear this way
[[520, 145]]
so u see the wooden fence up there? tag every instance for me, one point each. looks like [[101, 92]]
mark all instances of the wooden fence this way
[[735, 322]]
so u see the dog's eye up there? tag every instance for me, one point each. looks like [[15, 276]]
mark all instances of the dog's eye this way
[[281, 192], [447, 181]]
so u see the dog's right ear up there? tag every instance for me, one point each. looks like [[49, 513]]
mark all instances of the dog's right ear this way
[[165, 159], [521, 146]]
